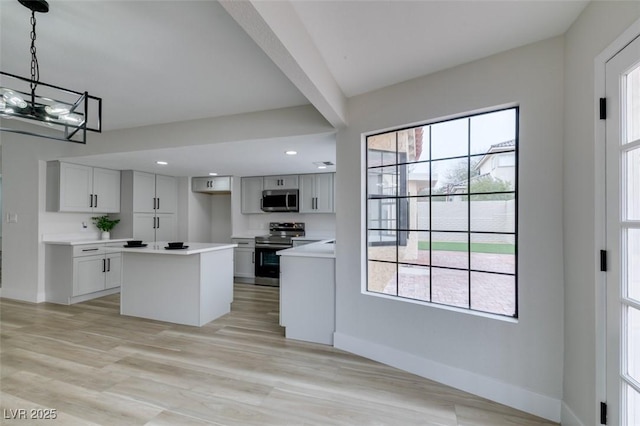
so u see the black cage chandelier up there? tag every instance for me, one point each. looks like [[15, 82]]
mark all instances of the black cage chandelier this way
[[68, 113]]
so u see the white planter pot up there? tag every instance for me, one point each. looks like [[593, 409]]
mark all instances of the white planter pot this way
[[106, 235]]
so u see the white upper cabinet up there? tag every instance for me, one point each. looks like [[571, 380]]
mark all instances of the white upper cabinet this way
[[166, 194], [316, 193], [106, 187], [281, 182], [149, 207], [251, 193], [154, 193], [211, 184], [144, 192], [78, 188]]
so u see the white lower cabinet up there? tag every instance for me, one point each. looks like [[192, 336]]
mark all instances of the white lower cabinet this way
[[307, 298], [244, 259], [113, 276], [96, 273], [78, 273], [88, 275]]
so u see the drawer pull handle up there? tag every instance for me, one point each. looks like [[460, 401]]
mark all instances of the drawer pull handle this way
[[92, 249]]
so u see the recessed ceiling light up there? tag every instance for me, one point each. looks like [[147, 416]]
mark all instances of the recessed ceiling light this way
[[291, 152], [162, 163], [322, 167], [213, 174]]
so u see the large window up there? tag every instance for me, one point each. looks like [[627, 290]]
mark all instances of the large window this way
[[442, 212]]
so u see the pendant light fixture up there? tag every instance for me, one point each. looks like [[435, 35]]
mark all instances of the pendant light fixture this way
[[69, 113]]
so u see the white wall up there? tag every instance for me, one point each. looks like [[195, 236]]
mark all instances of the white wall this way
[[598, 26], [221, 227], [519, 364], [23, 194]]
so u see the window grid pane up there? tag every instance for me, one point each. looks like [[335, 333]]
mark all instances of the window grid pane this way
[[442, 219]]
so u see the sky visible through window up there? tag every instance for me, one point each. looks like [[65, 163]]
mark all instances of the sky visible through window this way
[[449, 139]]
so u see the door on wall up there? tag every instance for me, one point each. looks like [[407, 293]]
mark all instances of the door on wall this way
[[623, 236]]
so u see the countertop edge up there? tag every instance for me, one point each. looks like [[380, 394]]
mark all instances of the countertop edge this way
[[162, 251], [85, 242], [311, 250]]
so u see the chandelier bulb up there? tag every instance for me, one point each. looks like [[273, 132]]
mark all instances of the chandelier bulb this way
[[56, 109], [13, 99]]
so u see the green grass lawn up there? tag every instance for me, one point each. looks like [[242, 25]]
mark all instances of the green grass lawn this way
[[475, 247]]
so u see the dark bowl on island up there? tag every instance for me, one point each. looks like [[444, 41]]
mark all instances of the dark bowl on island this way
[[176, 245], [134, 242]]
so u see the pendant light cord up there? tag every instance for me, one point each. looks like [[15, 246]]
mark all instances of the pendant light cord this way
[[35, 70]]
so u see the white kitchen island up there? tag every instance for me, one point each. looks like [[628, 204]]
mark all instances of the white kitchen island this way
[[191, 286], [307, 292]]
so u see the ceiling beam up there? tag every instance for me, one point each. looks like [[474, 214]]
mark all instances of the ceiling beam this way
[[278, 31]]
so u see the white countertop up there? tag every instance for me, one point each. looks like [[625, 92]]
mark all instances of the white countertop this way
[[319, 236], [159, 248], [323, 248], [77, 242]]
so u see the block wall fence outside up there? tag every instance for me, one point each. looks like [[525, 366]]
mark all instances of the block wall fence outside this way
[[488, 216]]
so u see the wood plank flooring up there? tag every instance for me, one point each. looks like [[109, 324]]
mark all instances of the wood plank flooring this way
[[94, 366]]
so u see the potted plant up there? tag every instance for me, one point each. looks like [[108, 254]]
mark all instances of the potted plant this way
[[105, 224]]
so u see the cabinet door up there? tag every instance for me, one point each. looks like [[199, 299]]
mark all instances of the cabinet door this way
[[144, 192], [324, 193], [113, 277], [144, 227], [166, 194], [244, 262], [221, 183], [88, 274], [307, 193], [106, 187], [251, 195], [281, 182], [200, 184], [166, 227], [76, 188]]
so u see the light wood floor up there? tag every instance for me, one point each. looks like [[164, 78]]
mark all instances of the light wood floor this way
[[96, 367]]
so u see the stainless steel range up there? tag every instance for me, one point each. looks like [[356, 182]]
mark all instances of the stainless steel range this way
[[280, 237]]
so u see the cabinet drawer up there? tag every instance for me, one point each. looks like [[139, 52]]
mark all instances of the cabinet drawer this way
[[88, 250], [245, 242]]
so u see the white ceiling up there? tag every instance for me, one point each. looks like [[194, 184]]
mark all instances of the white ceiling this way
[[164, 61]]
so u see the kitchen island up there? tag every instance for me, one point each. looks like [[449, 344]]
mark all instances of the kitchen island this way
[[307, 292], [190, 286]]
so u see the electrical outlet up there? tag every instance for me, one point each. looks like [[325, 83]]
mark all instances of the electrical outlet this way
[[84, 225], [12, 217]]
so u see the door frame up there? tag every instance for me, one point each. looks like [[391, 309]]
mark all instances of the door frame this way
[[624, 39]]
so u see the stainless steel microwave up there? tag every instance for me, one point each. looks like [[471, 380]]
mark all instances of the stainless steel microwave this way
[[280, 200]]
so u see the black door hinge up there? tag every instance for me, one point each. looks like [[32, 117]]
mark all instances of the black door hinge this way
[[603, 108], [603, 413], [603, 260]]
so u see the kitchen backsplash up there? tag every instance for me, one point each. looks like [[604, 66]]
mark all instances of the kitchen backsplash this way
[[313, 222]]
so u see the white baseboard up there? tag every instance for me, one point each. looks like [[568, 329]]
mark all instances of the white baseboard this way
[[483, 386], [568, 417]]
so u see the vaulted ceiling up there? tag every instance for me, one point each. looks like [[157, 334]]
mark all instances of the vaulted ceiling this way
[[164, 61]]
